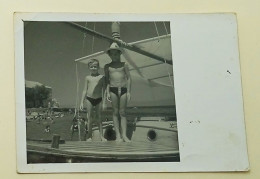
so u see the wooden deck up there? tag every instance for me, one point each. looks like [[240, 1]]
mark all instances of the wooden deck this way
[[97, 151]]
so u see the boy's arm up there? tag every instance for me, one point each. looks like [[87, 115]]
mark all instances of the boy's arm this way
[[103, 93], [106, 77], [84, 92], [107, 82], [103, 87], [129, 80]]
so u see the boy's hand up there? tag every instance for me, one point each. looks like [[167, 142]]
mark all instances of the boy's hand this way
[[81, 106], [128, 96], [122, 42], [108, 97]]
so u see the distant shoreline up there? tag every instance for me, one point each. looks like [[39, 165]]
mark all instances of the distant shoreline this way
[[130, 111], [129, 107]]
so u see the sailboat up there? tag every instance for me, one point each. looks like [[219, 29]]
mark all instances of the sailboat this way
[[153, 138]]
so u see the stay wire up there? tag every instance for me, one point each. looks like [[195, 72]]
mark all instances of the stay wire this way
[[84, 39], [77, 74], [165, 28], [156, 29], [169, 74], [77, 86], [93, 38]]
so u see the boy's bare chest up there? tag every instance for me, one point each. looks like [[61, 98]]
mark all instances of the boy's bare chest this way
[[116, 66], [94, 80], [120, 69]]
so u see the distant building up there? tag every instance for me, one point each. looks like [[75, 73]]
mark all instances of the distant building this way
[[32, 98]]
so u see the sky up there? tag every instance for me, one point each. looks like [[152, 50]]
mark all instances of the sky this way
[[51, 48]]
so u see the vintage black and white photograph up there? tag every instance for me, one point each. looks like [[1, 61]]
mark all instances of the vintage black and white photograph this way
[[99, 92], [128, 93]]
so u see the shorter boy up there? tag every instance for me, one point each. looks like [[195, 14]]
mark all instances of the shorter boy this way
[[93, 92]]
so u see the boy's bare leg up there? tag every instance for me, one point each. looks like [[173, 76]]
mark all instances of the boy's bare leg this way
[[90, 120], [72, 132], [89, 135], [86, 127], [79, 132], [103, 139], [115, 106], [123, 103], [99, 121]]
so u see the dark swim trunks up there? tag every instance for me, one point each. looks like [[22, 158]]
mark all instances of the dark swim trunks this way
[[94, 101], [118, 91]]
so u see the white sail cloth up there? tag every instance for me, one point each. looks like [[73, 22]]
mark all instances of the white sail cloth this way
[[152, 70]]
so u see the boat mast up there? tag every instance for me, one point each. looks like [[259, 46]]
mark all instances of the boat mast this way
[[125, 45]]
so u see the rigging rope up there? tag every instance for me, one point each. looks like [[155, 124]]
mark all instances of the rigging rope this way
[[77, 92], [169, 74], [93, 38], [83, 42], [165, 28], [156, 29], [77, 74], [170, 78], [167, 67]]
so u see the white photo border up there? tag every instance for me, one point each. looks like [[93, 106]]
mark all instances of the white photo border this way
[[210, 116]]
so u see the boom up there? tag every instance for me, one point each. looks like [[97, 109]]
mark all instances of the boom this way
[[125, 45]]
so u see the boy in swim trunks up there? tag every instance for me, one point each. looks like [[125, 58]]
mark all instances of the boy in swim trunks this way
[[92, 92], [118, 90]]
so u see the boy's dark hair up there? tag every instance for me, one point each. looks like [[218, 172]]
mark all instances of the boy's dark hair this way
[[93, 61]]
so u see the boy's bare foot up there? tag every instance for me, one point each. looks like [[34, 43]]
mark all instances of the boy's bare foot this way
[[103, 139], [126, 139], [119, 140], [89, 140]]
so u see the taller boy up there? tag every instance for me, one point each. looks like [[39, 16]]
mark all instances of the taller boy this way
[[118, 82]]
